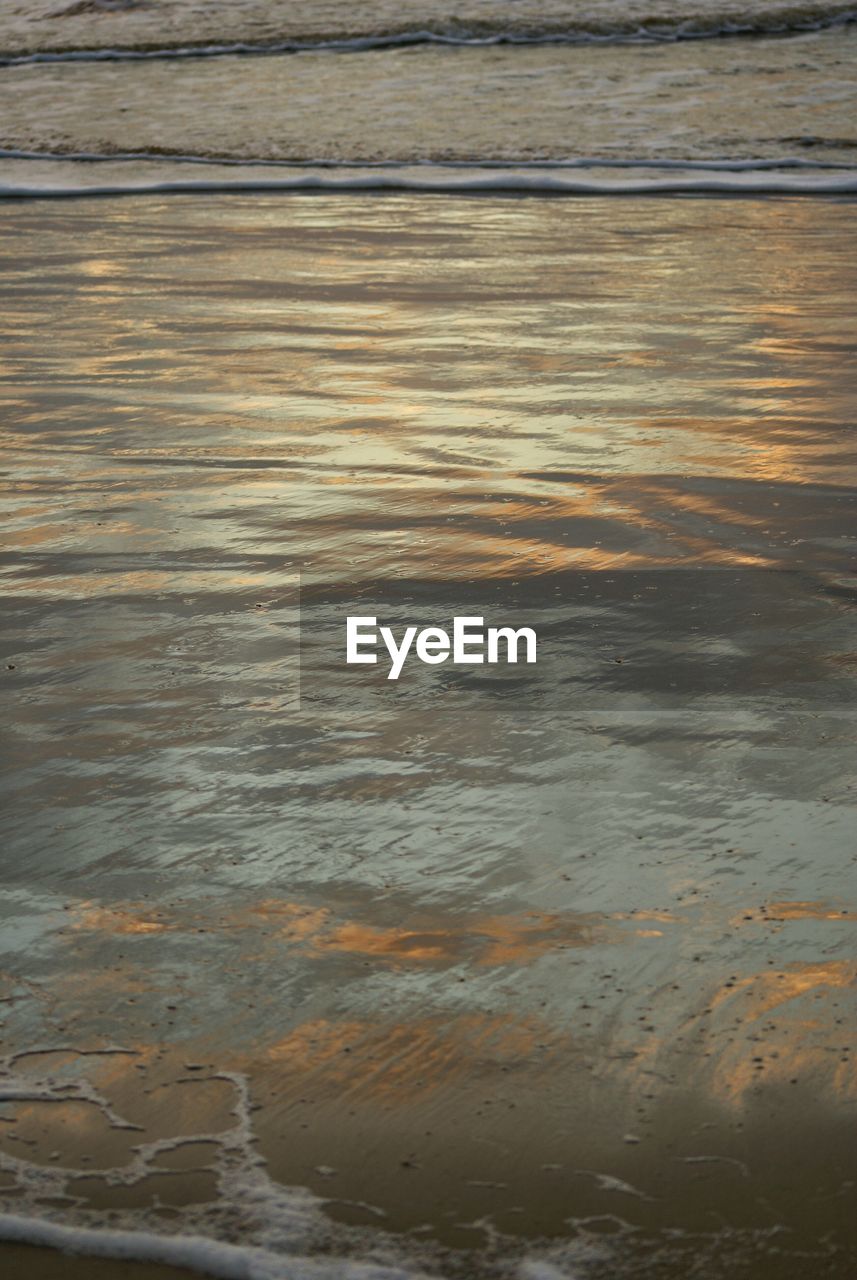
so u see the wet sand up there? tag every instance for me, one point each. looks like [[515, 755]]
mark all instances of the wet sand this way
[[45, 1264], [562, 971]]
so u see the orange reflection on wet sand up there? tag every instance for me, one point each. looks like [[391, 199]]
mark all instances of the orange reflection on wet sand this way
[[92, 917], [495, 940], [399, 1061], [773, 912], [804, 1043], [484, 940], [770, 990]]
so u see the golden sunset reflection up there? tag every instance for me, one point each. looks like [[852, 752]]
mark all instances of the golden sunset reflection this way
[[483, 940], [600, 394], [717, 1048]]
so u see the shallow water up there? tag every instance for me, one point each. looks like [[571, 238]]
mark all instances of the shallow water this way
[[756, 96], [708, 100], [557, 972], [145, 25]]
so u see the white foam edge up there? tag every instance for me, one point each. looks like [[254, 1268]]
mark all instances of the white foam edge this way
[[747, 183], [656, 32], [720, 165], [214, 1258]]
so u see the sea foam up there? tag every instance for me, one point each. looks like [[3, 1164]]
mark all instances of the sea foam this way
[[631, 180]]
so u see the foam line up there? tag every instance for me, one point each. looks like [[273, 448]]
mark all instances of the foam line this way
[[584, 162], [209, 1257], [747, 183], [664, 32]]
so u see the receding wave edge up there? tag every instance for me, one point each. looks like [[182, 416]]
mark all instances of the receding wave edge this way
[[200, 1254], [437, 166], [442, 181], [657, 31]]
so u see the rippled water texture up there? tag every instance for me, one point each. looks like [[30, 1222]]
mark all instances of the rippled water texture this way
[[574, 965]]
